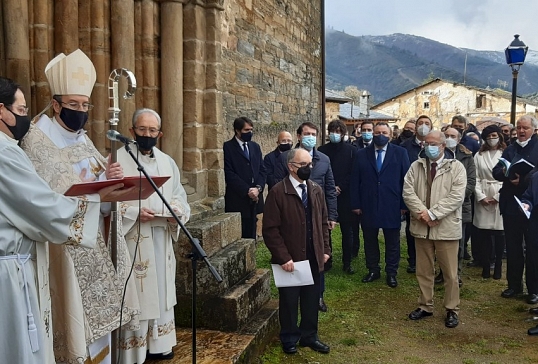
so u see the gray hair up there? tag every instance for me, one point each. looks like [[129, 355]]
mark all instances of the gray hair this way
[[291, 155], [442, 137], [139, 112], [531, 118]]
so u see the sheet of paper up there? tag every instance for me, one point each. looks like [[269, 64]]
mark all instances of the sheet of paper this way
[[301, 275], [527, 213]]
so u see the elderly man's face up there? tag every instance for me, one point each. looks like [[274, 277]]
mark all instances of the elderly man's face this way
[[301, 159], [524, 129], [434, 139], [146, 125]]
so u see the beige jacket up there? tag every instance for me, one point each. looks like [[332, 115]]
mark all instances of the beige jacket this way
[[447, 194]]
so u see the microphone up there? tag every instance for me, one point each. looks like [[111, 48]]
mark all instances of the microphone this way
[[117, 137]]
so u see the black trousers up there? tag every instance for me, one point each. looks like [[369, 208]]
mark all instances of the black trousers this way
[[392, 249], [411, 251], [356, 222], [516, 235], [290, 298], [346, 227], [248, 228], [491, 241]]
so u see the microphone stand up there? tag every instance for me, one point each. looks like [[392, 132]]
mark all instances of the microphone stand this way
[[196, 254]]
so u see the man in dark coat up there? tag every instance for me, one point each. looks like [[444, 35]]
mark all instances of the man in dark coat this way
[[342, 155], [461, 124], [322, 174], [413, 146], [464, 155], [244, 174], [295, 228], [284, 143], [515, 224], [376, 194]]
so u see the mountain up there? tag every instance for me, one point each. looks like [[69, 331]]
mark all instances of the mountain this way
[[389, 65]]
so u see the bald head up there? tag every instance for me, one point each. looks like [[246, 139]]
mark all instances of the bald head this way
[[284, 138]]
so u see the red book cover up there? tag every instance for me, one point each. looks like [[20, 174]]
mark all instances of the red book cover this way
[[146, 190]]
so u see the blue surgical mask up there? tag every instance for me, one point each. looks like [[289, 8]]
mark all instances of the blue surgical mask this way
[[432, 151], [367, 135], [335, 137], [308, 142], [381, 140]]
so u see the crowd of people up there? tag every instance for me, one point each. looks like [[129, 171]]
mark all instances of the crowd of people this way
[[450, 186], [58, 281]]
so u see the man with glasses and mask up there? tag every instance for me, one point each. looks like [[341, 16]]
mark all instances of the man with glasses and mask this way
[[155, 282], [84, 281], [295, 228], [434, 189]]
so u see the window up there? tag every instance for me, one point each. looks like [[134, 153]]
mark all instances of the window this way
[[427, 105], [480, 101]]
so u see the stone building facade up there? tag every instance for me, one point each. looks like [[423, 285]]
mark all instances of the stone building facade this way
[[441, 100]]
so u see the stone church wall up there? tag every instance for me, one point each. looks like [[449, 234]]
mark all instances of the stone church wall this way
[[271, 66]]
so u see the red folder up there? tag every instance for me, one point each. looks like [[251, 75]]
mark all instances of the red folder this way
[[146, 190]]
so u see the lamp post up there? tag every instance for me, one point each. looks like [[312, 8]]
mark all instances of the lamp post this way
[[515, 57]]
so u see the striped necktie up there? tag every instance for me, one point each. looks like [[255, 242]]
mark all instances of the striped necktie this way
[[304, 196]]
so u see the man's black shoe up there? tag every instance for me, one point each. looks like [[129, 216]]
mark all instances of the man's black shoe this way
[[348, 270], [466, 255], [419, 313], [322, 306], [532, 298], [289, 349], [160, 356], [533, 331], [460, 282], [451, 320], [534, 310], [474, 263], [411, 269], [509, 293], [370, 277], [439, 279], [317, 346], [392, 282]]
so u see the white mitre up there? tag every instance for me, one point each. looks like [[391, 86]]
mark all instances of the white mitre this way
[[71, 75]]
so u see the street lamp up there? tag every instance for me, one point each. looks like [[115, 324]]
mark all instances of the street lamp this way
[[515, 57]]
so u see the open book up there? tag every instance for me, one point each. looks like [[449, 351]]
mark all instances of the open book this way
[[521, 167], [143, 192]]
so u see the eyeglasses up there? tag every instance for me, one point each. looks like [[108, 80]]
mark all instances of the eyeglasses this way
[[144, 130], [73, 105], [431, 144], [21, 110], [302, 164]]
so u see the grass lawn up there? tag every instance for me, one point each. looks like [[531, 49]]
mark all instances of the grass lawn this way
[[367, 323]]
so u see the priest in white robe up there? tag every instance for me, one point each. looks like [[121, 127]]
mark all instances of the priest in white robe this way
[[30, 215], [150, 235], [87, 305]]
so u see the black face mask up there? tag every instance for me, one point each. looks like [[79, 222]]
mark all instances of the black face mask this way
[[513, 140], [304, 173], [284, 147], [506, 138], [246, 137], [73, 119], [22, 124], [145, 143], [407, 134], [460, 130]]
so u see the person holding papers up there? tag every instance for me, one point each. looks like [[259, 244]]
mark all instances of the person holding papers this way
[[529, 200], [295, 228], [514, 223]]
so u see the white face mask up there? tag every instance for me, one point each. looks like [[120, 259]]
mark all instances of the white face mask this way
[[451, 143], [423, 130], [492, 142]]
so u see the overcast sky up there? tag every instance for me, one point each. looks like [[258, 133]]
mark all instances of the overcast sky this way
[[476, 24]]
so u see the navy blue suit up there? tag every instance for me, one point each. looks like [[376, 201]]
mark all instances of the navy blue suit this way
[[270, 161], [240, 175], [379, 196], [530, 197]]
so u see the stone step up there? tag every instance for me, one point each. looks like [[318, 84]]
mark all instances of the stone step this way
[[218, 347], [233, 263], [231, 311], [214, 233]]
